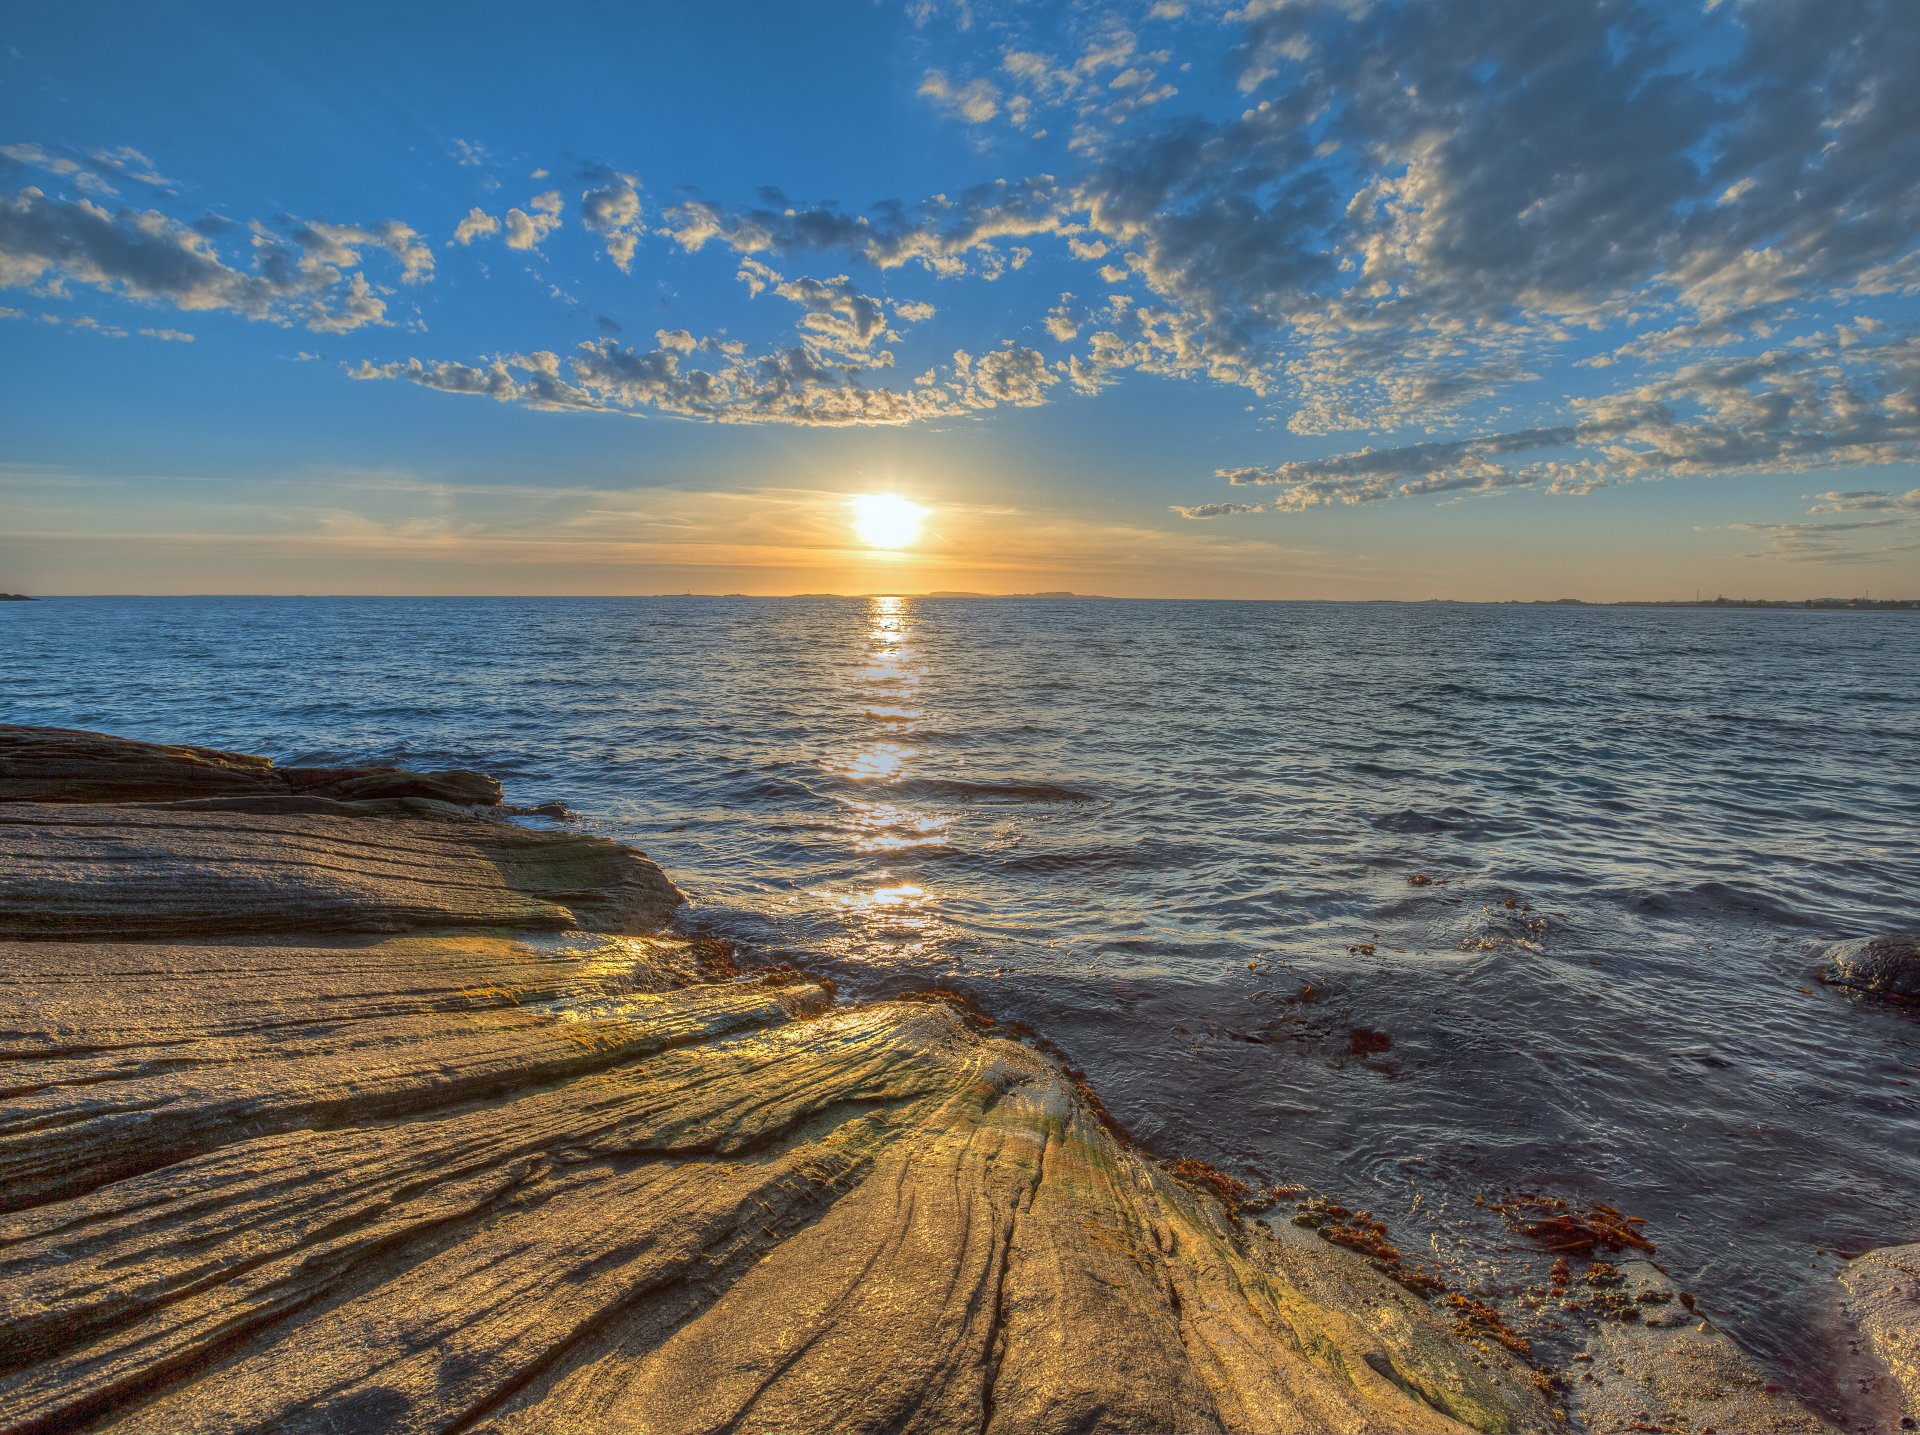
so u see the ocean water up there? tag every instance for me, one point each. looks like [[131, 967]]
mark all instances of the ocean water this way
[[1177, 839]]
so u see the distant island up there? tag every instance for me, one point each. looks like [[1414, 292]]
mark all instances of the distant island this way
[[16, 598], [1872, 605]]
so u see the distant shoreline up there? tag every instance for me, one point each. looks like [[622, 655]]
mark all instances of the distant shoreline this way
[[1785, 605]]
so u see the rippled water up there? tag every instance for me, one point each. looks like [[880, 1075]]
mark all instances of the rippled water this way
[[1145, 827]]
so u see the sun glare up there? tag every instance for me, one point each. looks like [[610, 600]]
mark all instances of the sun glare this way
[[886, 520]]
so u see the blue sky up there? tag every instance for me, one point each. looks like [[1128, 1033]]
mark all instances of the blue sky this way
[[1267, 299]]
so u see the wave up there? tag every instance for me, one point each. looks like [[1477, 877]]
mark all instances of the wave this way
[[965, 790], [1708, 899]]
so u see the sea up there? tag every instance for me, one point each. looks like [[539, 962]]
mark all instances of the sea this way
[[1412, 905]]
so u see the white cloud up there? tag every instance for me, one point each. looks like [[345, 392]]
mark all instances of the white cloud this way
[[526, 230], [613, 212], [477, 225], [976, 101]]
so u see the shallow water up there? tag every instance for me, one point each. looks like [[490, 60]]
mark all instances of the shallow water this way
[[1145, 827]]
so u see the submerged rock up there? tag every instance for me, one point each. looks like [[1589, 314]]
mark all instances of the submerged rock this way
[[1886, 966], [467, 1178]]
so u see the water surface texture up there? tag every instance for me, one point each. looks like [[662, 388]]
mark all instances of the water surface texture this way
[[1178, 838]]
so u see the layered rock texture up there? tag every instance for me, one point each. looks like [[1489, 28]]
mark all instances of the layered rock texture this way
[[366, 1112]]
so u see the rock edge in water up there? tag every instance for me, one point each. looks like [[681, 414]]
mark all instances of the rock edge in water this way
[[390, 1161], [1886, 967]]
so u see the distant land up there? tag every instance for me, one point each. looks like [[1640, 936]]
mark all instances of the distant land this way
[[1855, 605], [1872, 605]]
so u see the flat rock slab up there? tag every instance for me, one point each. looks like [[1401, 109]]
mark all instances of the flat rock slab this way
[[285, 864]]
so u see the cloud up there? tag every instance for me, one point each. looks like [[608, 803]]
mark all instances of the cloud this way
[[306, 273], [1826, 404], [613, 212], [1869, 501], [477, 225], [172, 336], [469, 154], [1834, 544], [690, 377], [975, 101], [524, 230]]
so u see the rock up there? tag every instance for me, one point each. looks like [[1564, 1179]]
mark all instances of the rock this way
[[40, 764], [457, 785], [1886, 966], [464, 1177], [1881, 1296], [15, 598], [1665, 1371], [60, 765], [302, 864]]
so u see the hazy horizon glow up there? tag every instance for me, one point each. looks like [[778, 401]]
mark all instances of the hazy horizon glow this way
[[1156, 298]]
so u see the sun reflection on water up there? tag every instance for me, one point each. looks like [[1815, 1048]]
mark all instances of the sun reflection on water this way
[[892, 917]]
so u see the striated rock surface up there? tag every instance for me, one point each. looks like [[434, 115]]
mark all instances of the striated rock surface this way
[[39, 764], [1881, 1297], [287, 864], [394, 1163], [1886, 966]]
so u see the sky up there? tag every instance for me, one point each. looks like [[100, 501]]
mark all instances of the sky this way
[[1270, 299]]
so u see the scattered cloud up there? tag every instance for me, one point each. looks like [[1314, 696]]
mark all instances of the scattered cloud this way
[[304, 273], [976, 101], [525, 230], [477, 225], [613, 212]]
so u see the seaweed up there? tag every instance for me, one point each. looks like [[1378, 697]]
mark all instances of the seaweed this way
[[1361, 1231], [1477, 1318], [1365, 1041], [1554, 1223], [1231, 1190]]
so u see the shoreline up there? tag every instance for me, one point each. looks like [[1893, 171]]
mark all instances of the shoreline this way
[[493, 969]]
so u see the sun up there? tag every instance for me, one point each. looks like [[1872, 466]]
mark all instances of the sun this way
[[886, 520]]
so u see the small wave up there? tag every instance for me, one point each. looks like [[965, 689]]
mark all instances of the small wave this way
[[1710, 899], [1455, 821], [988, 792]]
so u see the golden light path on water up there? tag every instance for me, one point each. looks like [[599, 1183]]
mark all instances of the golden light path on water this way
[[898, 919]]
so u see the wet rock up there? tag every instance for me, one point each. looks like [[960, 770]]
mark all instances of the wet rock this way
[[1881, 1296], [1662, 1370], [456, 785], [1886, 966]]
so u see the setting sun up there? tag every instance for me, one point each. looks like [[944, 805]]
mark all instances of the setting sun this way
[[886, 520]]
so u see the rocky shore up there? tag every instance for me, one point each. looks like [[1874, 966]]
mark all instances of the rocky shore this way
[[336, 1101]]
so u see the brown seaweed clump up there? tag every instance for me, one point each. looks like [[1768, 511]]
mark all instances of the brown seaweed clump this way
[[1233, 1193], [1361, 1231], [1477, 1318], [1553, 1222]]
